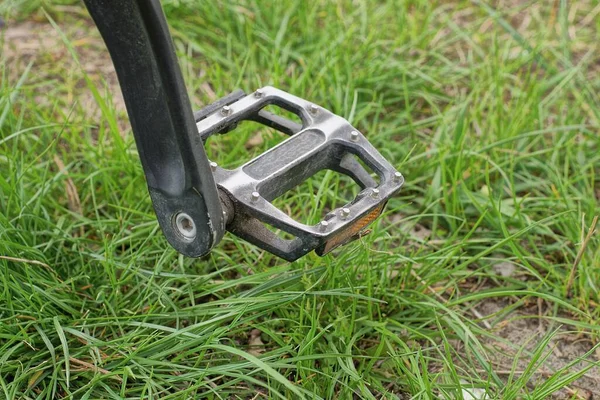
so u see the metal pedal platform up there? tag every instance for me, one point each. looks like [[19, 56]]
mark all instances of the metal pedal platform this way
[[323, 141]]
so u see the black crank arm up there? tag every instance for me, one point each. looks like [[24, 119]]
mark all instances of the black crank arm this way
[[177, 170]]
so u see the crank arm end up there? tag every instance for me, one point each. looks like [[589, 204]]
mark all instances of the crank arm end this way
[[177, 171]]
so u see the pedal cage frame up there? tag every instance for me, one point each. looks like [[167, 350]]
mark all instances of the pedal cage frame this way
[[323, 141]]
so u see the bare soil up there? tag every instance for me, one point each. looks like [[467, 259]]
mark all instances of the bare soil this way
[[519, 333], [42, 45]]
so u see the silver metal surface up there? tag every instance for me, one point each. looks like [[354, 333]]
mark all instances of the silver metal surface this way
[[398, 177], [185, 226], [344, 212], [323, 225], [226, 110], [323, 141]]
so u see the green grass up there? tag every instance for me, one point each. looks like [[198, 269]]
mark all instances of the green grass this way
[[491, 112]]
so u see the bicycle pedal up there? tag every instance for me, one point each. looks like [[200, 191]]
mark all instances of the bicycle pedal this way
[[324, 141]]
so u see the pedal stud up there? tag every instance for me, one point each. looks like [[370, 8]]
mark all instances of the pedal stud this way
[[345, 212], [354, 136], [185, 226], [398, 177], [259, 93], [226, 110], [375, 193], [313, 109], [255, 196], [213, 166], [323, 225]]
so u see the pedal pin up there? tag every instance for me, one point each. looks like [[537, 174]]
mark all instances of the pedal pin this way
[[397, 177], [345, 212], [226, 110], [323, 225]]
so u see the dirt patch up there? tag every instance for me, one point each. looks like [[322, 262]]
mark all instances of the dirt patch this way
[[54, 67], [521, 331]]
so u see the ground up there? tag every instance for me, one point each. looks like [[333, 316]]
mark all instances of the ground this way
[[479, 282]]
